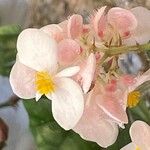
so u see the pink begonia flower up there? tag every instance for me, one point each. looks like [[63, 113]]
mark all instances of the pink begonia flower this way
[[104, 109], [35, 74], [66, 34], [95, 125], [132, 25], [114, 103], [140, 136], [114, 21]]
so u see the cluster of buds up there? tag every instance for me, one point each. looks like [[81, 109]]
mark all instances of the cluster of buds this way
[[76, 66]]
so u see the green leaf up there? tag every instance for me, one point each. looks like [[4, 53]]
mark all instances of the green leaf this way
[[48, 134], [9, 31], [8, 38]]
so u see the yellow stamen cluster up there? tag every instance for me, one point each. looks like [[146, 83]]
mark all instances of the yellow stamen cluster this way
[[133, 99], [44, 83], [137, 148]]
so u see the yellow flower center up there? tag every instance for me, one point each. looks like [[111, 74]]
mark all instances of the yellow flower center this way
[[137, 148], [133, 99], [44, 83]]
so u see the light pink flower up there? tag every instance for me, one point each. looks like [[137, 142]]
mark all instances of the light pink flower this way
[[71, 28], [114, 102], [140, 136], [66, 34], [95, 125], [35, 74], [116, 20], [105, 109], [132, 25]]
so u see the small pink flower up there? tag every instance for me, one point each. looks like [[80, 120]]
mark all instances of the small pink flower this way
[[119, 20], [71, 28], [115, 102], [66, 34], [131, 25], [140, 136], [106, 109], [95, 125]]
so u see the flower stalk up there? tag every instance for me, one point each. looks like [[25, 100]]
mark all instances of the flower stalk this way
[[112, 51]]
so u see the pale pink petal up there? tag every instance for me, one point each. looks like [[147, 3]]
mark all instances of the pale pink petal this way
[[63, 26], [75, 26], [54, 31], [22, 80], [68, 51], [37, 50], [67, 103], [130, 146], [127, 79], [94, 127], [111, 105], [87, 72], [69, 72], [140, 134], [140, 80], [123, 20], [142, 32], [99, 21]]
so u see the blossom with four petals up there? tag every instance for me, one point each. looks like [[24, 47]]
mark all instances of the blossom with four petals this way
[[35, 74]]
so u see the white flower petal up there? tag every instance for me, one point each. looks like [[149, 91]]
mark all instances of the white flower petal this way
[[140, 134], [88, 72], [54, 31], [94, 127], [37, 50], [130, 146], [68, 72], [49, 96], [22, 80], [140, 80], [67, 103], [38, 96]]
